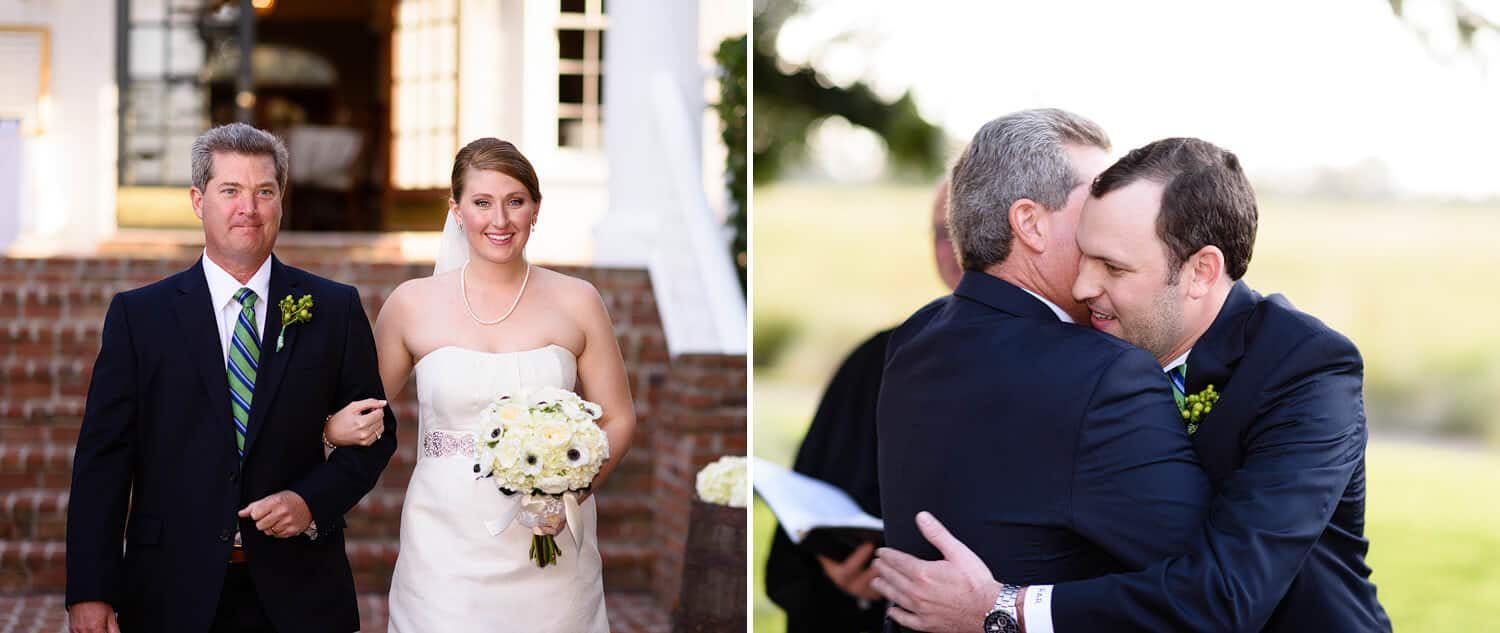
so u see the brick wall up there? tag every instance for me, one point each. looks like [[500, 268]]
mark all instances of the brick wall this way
[[702, 418]]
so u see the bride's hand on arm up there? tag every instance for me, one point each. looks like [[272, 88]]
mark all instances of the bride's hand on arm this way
[[363, 422], [360, 422], [602, 378]]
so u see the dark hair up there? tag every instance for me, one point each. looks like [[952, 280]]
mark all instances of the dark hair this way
[[493, 154], [1206, 199]]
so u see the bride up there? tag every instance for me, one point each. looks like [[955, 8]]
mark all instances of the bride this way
[[488, 322]]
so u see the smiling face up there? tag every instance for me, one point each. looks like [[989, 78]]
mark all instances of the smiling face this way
[[1123, 270], [240, 207], [496, 213]]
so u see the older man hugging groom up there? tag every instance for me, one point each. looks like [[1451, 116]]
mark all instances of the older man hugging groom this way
[[1211, 478]]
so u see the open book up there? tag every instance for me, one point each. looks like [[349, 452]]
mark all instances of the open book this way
[[817, 516]]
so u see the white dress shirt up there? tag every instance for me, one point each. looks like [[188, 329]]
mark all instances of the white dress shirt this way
[[1062, 316], [221, 289]]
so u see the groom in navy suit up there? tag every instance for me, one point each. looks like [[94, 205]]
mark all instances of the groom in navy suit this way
[[993, 394], [201, 440], [1271, 397]]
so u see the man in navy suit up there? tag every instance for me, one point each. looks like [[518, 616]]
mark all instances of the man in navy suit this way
[[1166, 237], [991, 393], [201, 439]]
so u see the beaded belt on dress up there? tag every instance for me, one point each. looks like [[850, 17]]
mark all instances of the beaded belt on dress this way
[[440, 443]]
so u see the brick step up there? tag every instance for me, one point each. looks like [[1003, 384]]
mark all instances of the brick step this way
[[30, 566], [629, 612], [333, 263]]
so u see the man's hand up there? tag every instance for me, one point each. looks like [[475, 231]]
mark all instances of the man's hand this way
[[853, 575], [951, 594], [92, 617], [281, 515]]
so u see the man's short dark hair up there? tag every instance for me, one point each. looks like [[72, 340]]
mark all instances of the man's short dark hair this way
[[1206, 199]]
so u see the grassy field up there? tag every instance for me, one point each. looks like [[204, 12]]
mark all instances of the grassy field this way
[[1408, 283]]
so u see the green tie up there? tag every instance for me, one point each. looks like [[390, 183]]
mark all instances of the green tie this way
[[244, 361]]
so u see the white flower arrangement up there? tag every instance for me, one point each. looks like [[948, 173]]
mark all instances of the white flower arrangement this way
[[542, 442], [724, 482]]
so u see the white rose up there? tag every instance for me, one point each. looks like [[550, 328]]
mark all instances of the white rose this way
[[555, 433], [508, 452], [572, 410], [511, 413]]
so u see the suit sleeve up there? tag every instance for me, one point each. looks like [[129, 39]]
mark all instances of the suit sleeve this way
[[335, 486], [102, 468], [1300, 455], [1138, 491]]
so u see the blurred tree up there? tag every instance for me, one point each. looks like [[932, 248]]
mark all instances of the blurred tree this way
[[791, 99], [1467, 21], [731, 110]]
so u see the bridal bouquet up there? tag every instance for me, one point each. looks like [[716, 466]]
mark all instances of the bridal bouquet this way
[[542, 443]]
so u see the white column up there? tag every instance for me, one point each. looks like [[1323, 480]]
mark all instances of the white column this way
[[658, 214]]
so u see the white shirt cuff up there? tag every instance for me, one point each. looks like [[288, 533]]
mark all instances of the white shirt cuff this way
[[1037, 610]]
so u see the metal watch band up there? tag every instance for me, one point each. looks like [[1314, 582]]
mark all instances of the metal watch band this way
[[1002, 617]]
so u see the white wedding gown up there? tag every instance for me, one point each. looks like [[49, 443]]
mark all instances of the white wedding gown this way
[[459, 569]]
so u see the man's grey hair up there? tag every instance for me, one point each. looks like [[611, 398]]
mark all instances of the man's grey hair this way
[[1017, 156], [237, 138]]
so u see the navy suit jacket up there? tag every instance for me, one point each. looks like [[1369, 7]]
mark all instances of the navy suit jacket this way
[[156, 462], [1283, 548], [1054, 451]]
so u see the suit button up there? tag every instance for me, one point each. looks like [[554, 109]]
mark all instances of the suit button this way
[[225, 535], [233, 475]]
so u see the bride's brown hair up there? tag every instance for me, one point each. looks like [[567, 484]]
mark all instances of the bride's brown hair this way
[[493, 154]]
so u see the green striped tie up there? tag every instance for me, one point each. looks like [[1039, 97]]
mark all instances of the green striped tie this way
[[1178, 376], [244, 361]]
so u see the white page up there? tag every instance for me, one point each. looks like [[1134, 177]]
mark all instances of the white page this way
[[802, 503]]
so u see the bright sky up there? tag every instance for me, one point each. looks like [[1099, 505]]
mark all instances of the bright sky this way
[[1286, 84]]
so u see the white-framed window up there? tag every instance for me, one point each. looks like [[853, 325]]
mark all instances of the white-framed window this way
[[581, 25], [424, 93], [164, 103]]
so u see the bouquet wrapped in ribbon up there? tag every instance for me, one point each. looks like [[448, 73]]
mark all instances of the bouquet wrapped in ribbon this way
[[544, 444]]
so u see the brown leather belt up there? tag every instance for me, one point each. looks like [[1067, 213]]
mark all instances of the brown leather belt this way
[[238, 555]]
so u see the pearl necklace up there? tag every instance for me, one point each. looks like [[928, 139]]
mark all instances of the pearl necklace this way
[[463, 290]]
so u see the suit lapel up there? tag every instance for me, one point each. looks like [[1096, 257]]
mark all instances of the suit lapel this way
[[272, 361], [196, 315], [1217, 354]]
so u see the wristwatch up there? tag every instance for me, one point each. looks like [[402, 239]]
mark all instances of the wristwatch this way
[[1003, 617]]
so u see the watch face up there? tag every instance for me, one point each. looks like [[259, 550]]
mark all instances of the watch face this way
[[999, 622]]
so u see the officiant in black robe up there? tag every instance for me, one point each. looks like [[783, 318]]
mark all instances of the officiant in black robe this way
[[840, 449]]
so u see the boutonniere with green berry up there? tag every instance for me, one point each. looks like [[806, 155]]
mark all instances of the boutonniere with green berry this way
[[1194, 407], [292, 313]]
